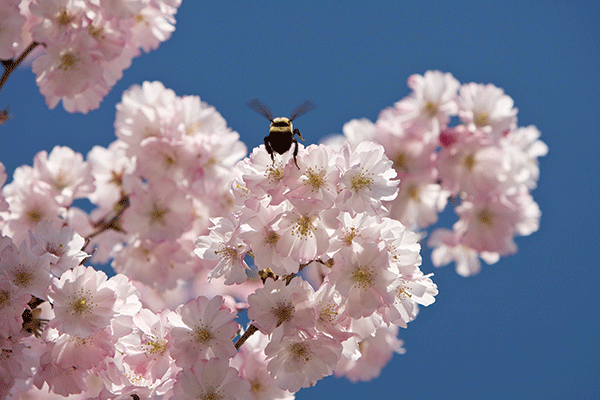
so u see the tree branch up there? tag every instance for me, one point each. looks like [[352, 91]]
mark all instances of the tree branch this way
[[10, 65]]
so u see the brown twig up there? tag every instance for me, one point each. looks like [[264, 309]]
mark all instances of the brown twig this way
[[249, 332], [10, 65]]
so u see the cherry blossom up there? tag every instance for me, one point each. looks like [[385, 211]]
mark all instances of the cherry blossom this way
[[210, 379], [282, 306], [300, 361], [202, 329], [83, 301]]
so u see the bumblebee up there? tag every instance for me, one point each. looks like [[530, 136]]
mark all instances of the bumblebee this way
[[281, 133]]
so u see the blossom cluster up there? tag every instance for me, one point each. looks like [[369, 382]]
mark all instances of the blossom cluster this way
[[317, 251], [154, 190], [485, 165], [339, 277], [86, 43]]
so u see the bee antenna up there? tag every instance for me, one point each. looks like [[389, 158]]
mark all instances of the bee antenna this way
[[261, 108]]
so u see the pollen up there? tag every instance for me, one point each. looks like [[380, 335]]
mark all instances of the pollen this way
[[284, 312], [169, 160], [60, 182], [399, 162], [469, 162], [315, 178], [203, 335], [255, 386], [402, 293], [226, 253], [361, 181], [79, 306], [22, 278], [363, 277], [272, 238], [481, 119], [274, 172], [349, 236], [210, 394], [157, 214], [328, 314], [413, 193], [63, 18], [431, 108], [68, 62], [300, 352], [155, 346], [34, 215], [95, 32], [304, 227], [4, 298], [485, 217]]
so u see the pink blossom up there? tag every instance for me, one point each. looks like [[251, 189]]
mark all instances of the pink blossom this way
[[488, 225], [317, 178], [152, 25], [68, 69], [224, 246], [410, 290], [285, 307], [25, 270], [432, 100], [375, 352], [81, 353], [420, 200], [363, 279], [147, 347], [143, 112], [486, 108], [473, 164], [202, 329], [83, 301], [29, 204], [210, 379], [300, 361], [158, 211], [59, 19], [65, 245], [523, 148], [108, 168], [303, 231], [122, 8], [448, 248], [262, 237], [366, 178]]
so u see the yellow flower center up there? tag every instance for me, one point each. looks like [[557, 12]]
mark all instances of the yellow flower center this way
[[315, 178], [361, 181], [485, 217], [284, 312], [363, 277]]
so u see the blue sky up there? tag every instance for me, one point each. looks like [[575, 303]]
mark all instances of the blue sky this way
[[527, 327]]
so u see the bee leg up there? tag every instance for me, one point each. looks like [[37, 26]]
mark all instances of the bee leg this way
[[295, 151], [297, 132], [269, 149]]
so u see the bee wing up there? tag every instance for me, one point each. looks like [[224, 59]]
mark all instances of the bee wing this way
[[261, 108], [302, 109]]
